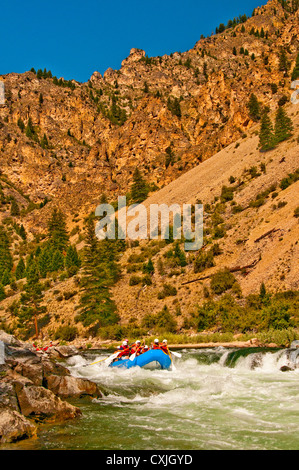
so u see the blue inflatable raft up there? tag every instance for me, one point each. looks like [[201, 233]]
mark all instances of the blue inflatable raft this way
[[152, 356]]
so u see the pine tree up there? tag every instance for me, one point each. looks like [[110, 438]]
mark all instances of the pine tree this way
[[14, 208], [180, 255], [174, 106], [295, 73], [139, 189], [254, 108], [30, 132], [266, 135], [32, 295], [22, 232], [72, 261], [205, 71], [294, 5], [2, 293], [5, 279], [6, 261], [58, 236], [283, 125], [2, 196], [57, 262], [262, 290], [45, 260], [21, 124], [44, 142], [20, 269], [283, 61], [148, 268], [100, 272]]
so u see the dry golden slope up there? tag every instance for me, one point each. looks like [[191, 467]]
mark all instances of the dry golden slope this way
[[277, 254]]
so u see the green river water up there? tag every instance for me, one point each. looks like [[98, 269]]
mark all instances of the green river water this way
[[215, 399]]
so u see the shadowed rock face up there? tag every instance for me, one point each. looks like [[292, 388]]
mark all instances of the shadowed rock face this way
[[31, 391], [14, 426]]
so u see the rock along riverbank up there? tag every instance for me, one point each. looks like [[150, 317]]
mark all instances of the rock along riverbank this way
[[34, 388]]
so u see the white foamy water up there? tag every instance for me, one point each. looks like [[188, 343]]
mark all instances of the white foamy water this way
[[214, 399]]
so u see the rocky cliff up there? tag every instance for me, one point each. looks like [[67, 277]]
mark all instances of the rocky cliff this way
[[182, 119]]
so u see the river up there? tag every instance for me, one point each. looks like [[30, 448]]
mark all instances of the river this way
[[215, 399]]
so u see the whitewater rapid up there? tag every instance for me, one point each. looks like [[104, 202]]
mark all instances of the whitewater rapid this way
[[215, 399]]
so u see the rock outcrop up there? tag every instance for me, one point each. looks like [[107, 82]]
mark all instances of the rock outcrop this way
[[33, 389]]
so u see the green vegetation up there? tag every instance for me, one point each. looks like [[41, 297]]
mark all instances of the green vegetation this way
[[161, 322], [283, 61], [52, 257], [262, 312], [167, 291], [66, 333], [254, 108], [6, 261], [269, 136], [266, 135], [176, 256], [116, 114], [173, 104], [231, 24], [100, 272], [203, 261], [290, 179], [283, 126], [31, 298], [222, 281], [139, 189]]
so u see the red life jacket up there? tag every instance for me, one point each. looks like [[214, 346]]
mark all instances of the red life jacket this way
[[136, 348], [124, 352]]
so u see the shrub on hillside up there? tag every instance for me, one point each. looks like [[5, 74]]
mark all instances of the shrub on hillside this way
[[66, 333], [222, 281], [167, 291]]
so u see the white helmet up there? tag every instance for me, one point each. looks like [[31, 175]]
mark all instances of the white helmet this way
[[146, 346], [164, 340], [138, 341], [156, 340]]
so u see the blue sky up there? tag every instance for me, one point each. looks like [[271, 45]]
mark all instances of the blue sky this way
[[75, 38]]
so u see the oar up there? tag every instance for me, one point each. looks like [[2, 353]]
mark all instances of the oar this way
[[132, 357], [116, 354], [110, 359], [176, 353], [173, 366]]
